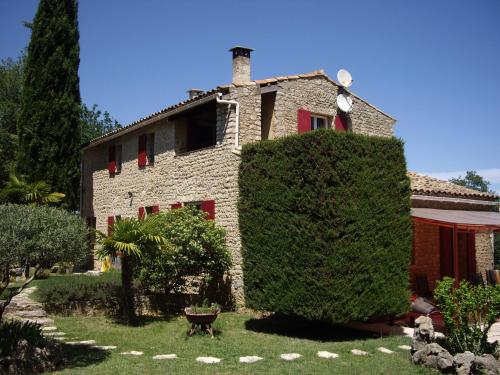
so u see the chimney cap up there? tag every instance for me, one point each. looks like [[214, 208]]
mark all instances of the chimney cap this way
[[241, 51]]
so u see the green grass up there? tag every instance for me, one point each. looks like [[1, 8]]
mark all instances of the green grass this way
[[240, 335]]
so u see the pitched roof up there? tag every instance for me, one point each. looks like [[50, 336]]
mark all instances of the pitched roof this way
[[426, 185], [262, 82]]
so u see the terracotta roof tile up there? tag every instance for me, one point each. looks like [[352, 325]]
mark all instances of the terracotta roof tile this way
[[426, 185]]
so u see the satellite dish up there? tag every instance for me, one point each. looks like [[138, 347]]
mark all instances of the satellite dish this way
[[344, 78], [344, 103]]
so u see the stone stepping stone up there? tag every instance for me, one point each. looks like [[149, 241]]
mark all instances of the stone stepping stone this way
[[132, 352], [328, 355], [165, 356], [85, 342], [53, 334], [50, 328], [404, 347], [250, 359], [359, 352], [290, 356], [104, 347], [385, 350], [209, 360]]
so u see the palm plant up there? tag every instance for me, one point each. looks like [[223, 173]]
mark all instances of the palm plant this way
[[22, 192], [130, 239]]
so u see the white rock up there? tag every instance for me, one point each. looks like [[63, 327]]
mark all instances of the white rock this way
[[325, 354], [165, 356], [132, 352], [290, 356], [250, 359], [104, 347], [87, 342], [385, 350], [404, 347], [59, 334], [358, 352], [208, 360], [51, 328]]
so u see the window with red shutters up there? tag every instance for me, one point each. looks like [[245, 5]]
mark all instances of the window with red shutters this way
[[155, 209], [111, 222], [341, 123], [142, 213], [174, 206], [209, 208], [142, 151], [112, 159], [303, 121]]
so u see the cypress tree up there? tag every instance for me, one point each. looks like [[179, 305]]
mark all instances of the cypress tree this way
[[49, 125]]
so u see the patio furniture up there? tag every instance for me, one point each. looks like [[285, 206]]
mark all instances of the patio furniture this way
[[493, 277]]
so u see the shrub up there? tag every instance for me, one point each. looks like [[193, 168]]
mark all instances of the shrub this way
[[59, 292], [11, 332], [195, 246], [469, 312], [325, 225]]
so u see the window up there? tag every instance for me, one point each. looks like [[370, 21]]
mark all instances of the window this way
[[118, 153], [196, 128], [114, 159], [319, 122], [206, 206], [148, 210], [150, 144]]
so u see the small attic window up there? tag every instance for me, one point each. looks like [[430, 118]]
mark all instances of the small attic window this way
[[196, 129]]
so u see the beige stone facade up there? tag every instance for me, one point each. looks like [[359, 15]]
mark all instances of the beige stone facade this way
[[209, 173]]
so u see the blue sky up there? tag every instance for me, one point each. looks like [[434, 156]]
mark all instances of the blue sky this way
[[433, 65]]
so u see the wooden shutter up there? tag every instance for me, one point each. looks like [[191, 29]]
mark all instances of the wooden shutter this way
[[471, 255], [303, 121], [112, 159], [209, 208], [155, 209], [141, 152], [174, 206], [446, 255], [340, 124], [142, 213], [111, 222]]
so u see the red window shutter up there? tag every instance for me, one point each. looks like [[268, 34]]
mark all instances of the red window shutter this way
[[142, 213], [340, 124], [446, 254], [155, 209], [112, 159], [209, 208], [141, 153], [111, 222], [303, 121], [471, 255], [174, 206]]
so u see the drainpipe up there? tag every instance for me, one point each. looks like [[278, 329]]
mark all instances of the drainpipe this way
[[237, 127]]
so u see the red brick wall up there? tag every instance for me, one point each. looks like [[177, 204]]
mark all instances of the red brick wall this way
[[426, 250]]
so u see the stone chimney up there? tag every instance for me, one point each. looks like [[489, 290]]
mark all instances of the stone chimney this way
[[241, 64], [194, 92]]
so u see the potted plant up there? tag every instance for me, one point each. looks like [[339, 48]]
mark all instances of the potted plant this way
[[202, 316]]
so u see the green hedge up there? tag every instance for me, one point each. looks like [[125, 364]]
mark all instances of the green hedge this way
[[325, 225]]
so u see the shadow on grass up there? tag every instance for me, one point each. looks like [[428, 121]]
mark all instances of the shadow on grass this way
[[142, 320], [305, 329], [82, 356]]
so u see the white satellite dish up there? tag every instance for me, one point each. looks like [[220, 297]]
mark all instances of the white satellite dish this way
[[344, 78], [344, 103]]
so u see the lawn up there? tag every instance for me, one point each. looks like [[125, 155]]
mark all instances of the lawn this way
[[241, 335]]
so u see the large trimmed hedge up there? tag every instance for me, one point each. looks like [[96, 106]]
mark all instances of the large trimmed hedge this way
[[326, 227]]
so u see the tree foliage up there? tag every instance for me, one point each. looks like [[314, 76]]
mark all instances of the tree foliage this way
[[49, 123], [326, 227], [96, 123], [469, 312], [40, 234], [472, 181], [21, 192], [195, 247]]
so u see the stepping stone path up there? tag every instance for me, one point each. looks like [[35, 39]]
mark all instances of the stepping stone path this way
[[49, 328], [329, 355], [404, 347], [22, 307], [290, 356], [208, 360], [54, 334], [84, 343], [132, 352], [385, 350], [250, 359], [358, 352], [165, 356], [103, 347]]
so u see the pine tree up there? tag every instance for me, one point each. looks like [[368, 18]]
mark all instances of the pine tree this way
[[49, 125]]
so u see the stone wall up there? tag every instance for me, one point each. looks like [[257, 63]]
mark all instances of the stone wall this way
[[210, 173], [484, 252]]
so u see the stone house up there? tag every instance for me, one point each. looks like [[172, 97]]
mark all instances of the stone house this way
[[188, 153]]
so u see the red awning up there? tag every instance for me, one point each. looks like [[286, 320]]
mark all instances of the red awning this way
[[466, 220]]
